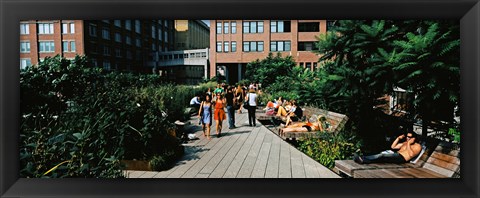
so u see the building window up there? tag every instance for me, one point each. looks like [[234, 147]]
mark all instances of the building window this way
[[24, 28], [118, 37], [73, 47], [118, 52], [24, 63], [307, 46], [308, 65], [65, 46], [165, 34], [301, 65], [106, 50], [72, 28], [225, 46], [280, 46], [137, 26], [234, 46], [253, 46], [45, 28], [154, 33], [219, 27], [234, 27], [46, 46], [253, 27], [309, 27], [117, 23], [138, 42], [225, 27], [106, 33], [219, 46], [128, 24], [106, 21], [129, 54], [106, 65], [314, 66], [25, 47], [92, 29], [64, 28], [280, 26], [128, 40], [154, 47]]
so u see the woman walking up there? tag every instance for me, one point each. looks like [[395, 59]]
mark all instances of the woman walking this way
[[252, 101], [219, 114], [239, 96], [205, 114]]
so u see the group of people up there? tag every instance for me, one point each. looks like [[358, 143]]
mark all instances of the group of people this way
[[230, 97]]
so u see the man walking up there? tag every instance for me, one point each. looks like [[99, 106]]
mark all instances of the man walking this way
[[230, 110]]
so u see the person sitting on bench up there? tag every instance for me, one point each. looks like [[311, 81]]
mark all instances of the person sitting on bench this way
[[295, 115], [407, 150]]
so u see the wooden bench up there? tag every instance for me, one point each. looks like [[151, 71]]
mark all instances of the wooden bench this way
[[440, 162], [337, 122]]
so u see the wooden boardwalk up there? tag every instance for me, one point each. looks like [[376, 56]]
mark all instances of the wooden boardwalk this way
[[243, 152]]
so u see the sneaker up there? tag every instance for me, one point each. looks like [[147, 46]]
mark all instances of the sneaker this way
[[357, 159]]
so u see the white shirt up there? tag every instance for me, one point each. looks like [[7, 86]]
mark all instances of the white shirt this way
[[194, 101], [252, 99]]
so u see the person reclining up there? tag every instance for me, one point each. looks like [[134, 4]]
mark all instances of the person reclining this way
[[407, 150], [304, 126]]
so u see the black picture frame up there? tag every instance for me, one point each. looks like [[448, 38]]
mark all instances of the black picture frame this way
[[12, 11]]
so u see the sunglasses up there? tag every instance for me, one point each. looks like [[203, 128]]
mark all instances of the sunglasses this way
[[409, 136]]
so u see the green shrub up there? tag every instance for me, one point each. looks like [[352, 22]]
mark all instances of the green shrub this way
[[330, 147], [80, 122]]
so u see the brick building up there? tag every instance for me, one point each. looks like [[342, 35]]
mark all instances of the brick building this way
[[124, 45], [234, 43]]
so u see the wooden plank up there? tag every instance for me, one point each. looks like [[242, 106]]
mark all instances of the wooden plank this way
[[438, 170], [148, 174], [215, 160], [202, 162], [443, 164], [284, 169], [191, 159], [274, 158], [135, 174], [298, 169], [446, 158], [325, 172], [239, 159], [202, 175], [310, 168], [228, 159], [423, 173], [249, 163], [260, 166]]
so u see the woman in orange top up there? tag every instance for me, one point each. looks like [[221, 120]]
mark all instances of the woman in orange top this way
[[219, 114]]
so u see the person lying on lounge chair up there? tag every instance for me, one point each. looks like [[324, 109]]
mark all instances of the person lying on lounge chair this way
[[304, 126], [407, 150]]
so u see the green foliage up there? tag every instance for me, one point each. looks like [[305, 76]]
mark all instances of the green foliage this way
[[80, 122], [267, 70], [330, 147], [454, 134]]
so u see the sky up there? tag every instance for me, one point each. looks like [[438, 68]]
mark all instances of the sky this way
[[207, 22]]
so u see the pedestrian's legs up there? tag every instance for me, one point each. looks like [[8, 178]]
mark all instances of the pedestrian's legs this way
[[251, 116], [230, 113]]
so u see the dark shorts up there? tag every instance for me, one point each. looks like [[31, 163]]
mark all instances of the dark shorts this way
[[307, 127]]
